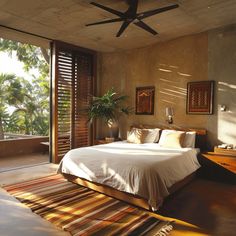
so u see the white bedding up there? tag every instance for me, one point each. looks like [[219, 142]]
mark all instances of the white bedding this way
[[147, 170]]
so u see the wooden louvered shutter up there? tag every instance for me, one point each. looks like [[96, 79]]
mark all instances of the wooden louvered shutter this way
[[83, 87], [72, 83]]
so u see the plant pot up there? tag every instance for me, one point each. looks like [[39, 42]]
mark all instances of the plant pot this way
[[113, 129]]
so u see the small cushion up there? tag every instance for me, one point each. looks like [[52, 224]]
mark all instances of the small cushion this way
[[136, 135], [189, 140], [152, 135], [172, 138]]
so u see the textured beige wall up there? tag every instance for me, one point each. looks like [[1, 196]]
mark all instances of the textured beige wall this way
[[222, 69], [167, 66]]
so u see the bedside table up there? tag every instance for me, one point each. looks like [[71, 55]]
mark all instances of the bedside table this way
[[223, 151], [218, 166], [103, 141]]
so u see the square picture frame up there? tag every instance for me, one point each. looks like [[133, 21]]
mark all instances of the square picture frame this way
[[145, 100], [200, 96]]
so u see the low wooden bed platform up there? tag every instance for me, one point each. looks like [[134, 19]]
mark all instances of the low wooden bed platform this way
[[134, 199], [127, 197]]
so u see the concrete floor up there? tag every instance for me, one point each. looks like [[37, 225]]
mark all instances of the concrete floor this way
[[208, 204], [201, 208], [17, 219], [19, 161], [27, 173]]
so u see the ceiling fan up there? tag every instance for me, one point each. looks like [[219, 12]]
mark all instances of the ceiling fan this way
[[131, 16]]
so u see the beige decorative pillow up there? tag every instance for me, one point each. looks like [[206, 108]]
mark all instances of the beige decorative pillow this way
[[136, 135], [152, 135], [172, 139], [189, 140]]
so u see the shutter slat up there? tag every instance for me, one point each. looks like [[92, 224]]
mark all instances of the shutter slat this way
[[64, 87]]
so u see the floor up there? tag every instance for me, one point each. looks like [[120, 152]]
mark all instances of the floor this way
[[207, 204], [203, 207], [26, 173], [19, 161], [15, 218]]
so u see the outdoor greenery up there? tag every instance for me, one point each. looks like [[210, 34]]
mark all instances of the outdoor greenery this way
[[24, 104]]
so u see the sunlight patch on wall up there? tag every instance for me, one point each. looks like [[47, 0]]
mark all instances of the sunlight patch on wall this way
[[184, 90], [226, 119], [170, 102], [172, 95], [175, 91], [183, 74], [175, 67], [168, 81], [228, 85], [164, 70], [225, 131]]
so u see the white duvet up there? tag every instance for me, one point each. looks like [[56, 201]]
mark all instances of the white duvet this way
[[146, 170]]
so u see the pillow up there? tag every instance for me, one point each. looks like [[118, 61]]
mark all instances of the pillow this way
[[136, 135], [172, 138], [189, 140], [151, 135]]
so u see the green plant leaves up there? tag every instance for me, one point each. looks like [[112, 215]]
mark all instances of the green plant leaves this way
[[108, 107]]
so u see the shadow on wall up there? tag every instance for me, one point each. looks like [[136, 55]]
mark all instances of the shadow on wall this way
[[172, 89]]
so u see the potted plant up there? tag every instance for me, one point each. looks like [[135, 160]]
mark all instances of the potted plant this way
[[109, 108]]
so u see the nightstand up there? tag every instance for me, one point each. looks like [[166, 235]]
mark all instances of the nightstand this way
[[218, 166], [226, 152], [103, 141]]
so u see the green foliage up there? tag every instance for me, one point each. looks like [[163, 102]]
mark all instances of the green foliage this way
[[30, 55], [9, 91], [108, 107], [9, 85], [30, 100], [31, 106]]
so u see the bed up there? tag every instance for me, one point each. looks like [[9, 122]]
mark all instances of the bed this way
[[143, 174]]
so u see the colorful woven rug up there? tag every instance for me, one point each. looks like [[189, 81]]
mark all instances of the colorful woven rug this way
[[82, 211]]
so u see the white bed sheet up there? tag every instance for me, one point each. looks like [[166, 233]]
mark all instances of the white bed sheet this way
[[146, 170]]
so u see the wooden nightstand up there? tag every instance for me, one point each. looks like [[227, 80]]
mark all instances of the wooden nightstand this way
[[226, 152], [218, 166], [103, 141]]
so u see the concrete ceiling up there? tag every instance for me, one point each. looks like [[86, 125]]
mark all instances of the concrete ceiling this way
[[65, 20]]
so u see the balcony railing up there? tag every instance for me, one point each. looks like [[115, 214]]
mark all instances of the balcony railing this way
[[23, 145]]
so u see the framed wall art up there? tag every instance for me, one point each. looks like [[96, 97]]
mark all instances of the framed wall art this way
[[145, 100], [200, 97]]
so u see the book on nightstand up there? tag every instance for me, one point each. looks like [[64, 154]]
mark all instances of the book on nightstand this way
[[225, 151]]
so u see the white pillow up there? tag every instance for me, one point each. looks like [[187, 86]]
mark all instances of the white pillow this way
[[152, 135], [172, 138], [189, 140]]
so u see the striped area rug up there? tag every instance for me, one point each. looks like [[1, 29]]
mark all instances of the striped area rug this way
[[82, 211]]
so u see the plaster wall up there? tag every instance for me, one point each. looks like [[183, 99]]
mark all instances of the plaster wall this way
[[222, 68], [169, 66]]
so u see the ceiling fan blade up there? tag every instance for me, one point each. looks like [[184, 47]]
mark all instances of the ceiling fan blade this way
[[105, 22], [115, 12], [122, 28], [145, 14], [130, 2], [144, 26], [133, 7]]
